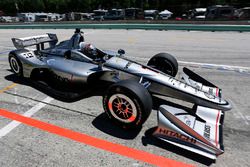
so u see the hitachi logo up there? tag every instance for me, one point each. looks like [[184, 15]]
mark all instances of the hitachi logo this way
[[176, 135]]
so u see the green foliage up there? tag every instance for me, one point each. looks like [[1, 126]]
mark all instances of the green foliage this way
[[11, 7]]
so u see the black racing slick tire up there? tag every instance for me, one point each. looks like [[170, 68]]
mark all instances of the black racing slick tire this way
[[15, 65], [165, 63], [128, 104]]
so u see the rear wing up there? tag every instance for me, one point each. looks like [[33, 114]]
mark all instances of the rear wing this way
[[21, 43]]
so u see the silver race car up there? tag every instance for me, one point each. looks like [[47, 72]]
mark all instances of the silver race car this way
[[130, 87]]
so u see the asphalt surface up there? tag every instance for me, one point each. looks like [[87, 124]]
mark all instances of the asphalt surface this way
[[28, 146]]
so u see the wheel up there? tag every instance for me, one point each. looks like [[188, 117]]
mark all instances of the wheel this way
[[165, 63], [15, 65], [128, 104]]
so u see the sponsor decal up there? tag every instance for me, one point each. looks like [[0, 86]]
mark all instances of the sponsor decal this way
[[127, 65], [34, 40], [176, 135], [60, 78], [207, 131], [210, 96], [210, 91], [28, 55]]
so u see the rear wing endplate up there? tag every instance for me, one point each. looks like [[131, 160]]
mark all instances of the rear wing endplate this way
[[21, 43]]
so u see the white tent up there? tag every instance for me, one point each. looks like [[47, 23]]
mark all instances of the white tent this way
[[165, 12]]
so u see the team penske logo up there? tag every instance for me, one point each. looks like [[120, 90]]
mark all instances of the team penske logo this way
[[176, 135]]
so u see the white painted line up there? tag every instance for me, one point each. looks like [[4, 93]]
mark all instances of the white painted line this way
[[207, 65], [226, 67], [7, 47], [240, 115], [13, 124]]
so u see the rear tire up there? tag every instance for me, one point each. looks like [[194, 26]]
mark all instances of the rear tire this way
[[128, 104], [165, 63], [16, 65]]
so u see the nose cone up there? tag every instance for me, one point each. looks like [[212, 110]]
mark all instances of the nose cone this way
[[226, 107]]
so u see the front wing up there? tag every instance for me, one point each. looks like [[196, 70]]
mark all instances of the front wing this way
[[199, 131]]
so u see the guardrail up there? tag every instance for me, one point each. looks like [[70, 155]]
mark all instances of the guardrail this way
[[187, 27]]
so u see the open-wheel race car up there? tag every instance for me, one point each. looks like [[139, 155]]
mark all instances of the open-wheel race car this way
[[130, 87]]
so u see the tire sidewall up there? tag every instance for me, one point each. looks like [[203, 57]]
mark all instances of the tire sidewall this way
[[142, 113], [20, 72], [162, 58]]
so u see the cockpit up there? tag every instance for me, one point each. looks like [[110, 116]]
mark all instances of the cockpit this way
[[83, 51], [89, 50], [76, 55]]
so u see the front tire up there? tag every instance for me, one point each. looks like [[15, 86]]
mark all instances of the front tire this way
[[165, 63], [128, 104], [15, 65]]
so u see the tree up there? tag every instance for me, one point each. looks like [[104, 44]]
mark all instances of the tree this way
[[11, 7]]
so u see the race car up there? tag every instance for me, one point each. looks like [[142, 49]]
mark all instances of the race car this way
[[129, 88]]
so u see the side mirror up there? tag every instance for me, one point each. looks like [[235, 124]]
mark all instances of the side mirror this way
[[121, 52]]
